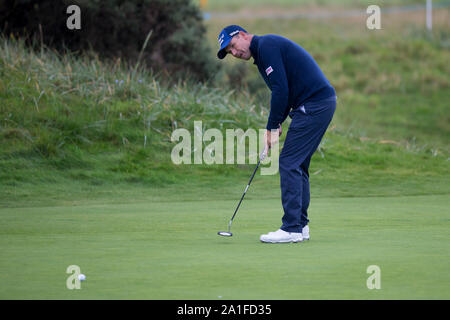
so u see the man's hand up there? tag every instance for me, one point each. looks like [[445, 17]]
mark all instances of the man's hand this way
[[268, 137]]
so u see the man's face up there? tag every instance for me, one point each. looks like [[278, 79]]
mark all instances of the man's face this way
[[239, 46]]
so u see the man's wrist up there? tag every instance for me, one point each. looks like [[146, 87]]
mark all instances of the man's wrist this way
[[272, 126]]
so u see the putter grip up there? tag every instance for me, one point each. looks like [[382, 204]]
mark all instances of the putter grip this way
[[263, 154]]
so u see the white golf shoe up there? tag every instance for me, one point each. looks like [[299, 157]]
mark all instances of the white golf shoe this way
[[281, 236], [305, 232]]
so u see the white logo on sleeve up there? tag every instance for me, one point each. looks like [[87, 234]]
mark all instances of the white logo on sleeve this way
[[303, 109], [269, 70]]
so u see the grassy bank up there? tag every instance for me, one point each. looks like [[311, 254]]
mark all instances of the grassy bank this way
[[81, 130], [76, 130], [391, 83]]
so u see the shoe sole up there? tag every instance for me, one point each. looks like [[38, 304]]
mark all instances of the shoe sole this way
[[280, 241]]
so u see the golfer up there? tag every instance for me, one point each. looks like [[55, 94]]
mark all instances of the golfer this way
[[300, 90]]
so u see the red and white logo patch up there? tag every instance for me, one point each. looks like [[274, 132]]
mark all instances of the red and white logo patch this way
[[269, 70]]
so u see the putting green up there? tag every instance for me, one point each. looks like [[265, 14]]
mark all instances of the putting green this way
[[171, 250]]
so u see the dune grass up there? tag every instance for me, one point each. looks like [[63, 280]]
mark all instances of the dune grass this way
[[391, 84], [76, 129]]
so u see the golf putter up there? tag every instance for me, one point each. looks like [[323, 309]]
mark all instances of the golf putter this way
[[228, 233]]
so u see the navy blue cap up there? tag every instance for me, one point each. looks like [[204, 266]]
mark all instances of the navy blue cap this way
[[225, 38]]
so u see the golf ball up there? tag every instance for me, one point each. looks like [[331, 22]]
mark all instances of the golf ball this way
[[81, 277]]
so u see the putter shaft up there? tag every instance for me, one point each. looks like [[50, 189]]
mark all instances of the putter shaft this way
[[261, 158], [245, 191]]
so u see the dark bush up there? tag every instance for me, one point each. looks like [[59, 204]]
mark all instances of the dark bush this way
[[118, 28]]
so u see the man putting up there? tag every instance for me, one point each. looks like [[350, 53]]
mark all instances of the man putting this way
[[300, 90]]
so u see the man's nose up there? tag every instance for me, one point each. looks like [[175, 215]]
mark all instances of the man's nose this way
[[234, 52]]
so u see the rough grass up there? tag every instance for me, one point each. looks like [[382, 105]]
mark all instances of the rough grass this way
[[391, 84], [79, 130]]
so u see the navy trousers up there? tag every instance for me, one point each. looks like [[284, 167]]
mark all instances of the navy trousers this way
[[309, 123]]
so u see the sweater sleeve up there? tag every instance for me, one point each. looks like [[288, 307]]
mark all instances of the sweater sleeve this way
[[276, 75]]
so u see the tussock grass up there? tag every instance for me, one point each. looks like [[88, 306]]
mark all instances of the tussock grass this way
[[79, 129], [392, 84], [51, 101]]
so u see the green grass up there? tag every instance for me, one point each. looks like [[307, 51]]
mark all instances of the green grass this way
[[170, 250], [344, 166]]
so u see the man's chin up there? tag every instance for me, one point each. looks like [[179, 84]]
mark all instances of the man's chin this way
[[243, 57]]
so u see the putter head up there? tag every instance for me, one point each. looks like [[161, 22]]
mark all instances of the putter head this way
[[224, 234]]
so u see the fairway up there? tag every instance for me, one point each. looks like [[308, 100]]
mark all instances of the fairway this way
[[170, 250]]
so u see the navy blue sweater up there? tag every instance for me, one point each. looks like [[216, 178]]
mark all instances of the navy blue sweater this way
[[291, 74]]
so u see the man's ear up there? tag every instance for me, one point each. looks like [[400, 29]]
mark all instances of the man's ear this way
[[243, 34]]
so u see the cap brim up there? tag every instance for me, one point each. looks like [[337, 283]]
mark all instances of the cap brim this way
[[222, 53]]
